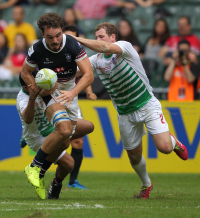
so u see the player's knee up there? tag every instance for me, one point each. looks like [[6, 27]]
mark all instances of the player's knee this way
[[90, 127], [77, 143], [65, 131], [165, 147]]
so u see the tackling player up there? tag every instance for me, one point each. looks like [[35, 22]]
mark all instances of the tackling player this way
[[36, 128], [120, 69], [62, 54]]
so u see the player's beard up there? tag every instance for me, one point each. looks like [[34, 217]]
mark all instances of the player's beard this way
[[55, 49]]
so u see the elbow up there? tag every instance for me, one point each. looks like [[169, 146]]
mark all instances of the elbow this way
[[166, 78], [28, 121]]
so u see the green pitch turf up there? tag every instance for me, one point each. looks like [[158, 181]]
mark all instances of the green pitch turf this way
[[110, 195]]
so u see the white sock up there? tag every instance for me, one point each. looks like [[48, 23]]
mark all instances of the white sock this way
[[140, 169], [173, 142]]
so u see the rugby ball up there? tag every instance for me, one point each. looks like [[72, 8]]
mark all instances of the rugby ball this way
[[46, 79]]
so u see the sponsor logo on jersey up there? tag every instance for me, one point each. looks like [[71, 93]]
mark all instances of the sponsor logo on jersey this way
[[62, 70], [68, 57], [48, 61]]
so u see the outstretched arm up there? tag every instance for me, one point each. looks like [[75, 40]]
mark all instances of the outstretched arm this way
[[100, 46]]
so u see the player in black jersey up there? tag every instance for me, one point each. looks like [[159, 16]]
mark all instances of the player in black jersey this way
[[62, 54]]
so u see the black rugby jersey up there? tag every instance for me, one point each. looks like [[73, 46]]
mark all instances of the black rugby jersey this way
[[62, 62]]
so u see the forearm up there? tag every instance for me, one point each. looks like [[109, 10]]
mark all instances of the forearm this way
[[88, 89], [83, 83], [169, 71], [98, 46], [28, 113], [189, 76], [7, 4]]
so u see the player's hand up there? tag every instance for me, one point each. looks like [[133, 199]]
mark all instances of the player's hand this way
[[91, 96], [48, 92], [34, 90], [67, 96]]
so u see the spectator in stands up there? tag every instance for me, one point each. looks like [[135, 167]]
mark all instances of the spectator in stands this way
[[46, 2], [182, 72], [16, 57], [126, 33], [184, 32], [96, 9], [3, 47], [69, 19], [156, 41], [19, 26], [10, 3]]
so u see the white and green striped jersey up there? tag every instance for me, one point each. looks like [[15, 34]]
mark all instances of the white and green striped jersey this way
[[124, 78], [40, 125]]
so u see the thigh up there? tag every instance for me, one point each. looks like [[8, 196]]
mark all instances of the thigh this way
[[154, 118], [131, 132]]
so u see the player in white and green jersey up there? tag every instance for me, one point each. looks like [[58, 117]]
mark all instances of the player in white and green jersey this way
[[36, 128], [120, 69]]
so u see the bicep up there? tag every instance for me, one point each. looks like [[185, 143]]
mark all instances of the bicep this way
[[27, 69], [84, 66], [115, 49]]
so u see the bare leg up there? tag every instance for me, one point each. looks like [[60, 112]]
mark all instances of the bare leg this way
[[83, 127]]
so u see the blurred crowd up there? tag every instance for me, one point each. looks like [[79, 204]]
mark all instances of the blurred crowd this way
[[178, 53]]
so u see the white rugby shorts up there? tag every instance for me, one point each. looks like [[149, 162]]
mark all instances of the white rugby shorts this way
[[131, 125], [36, 143]]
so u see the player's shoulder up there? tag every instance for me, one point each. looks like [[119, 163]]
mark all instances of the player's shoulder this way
[[70, 40], [123, 43], [21, 95], [37, 47]]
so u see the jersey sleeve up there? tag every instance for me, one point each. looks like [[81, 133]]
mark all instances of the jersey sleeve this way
[[76, 49], [93, 60], [127, 49], [22, 101], [30, 58]]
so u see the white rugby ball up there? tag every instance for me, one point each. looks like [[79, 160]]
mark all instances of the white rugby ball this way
[[46, 79]]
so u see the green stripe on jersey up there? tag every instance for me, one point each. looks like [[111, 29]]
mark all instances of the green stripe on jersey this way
[[119, 78], [115, 95], [134, 105], [132, 96]]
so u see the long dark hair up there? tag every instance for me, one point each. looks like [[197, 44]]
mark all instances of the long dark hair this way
[[131, 36], [165, 35]]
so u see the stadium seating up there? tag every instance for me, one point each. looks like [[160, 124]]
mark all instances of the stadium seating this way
[[142, 19]]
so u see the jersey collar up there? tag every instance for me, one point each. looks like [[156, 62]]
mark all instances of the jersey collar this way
[[63, 44], [25, 91], [107, 57]]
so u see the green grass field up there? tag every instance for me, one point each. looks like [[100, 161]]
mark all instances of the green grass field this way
[[109, 195]]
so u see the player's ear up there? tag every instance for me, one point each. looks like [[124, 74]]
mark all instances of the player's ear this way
[[113, 37]]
